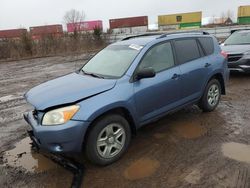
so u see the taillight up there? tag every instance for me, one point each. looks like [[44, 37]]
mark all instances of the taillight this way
[[224, 54]]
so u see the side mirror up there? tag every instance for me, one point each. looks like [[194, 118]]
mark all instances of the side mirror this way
[[145, 73]]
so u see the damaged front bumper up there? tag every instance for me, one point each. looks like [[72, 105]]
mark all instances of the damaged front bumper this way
[[57, 139]]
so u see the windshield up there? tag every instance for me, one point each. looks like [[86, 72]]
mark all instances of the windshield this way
[[238, 38], [112, 62]]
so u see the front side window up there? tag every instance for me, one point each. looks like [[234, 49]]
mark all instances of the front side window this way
[[159, 57], [113, 61], [186, 50]]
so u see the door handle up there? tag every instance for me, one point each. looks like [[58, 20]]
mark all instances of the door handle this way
[[175, 76], [207, 65]]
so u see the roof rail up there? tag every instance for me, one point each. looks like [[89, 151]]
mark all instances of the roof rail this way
[[164, 34], [184, 32], [143, 35]]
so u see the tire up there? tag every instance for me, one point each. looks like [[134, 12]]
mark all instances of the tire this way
[[212, 93], [103, 144]]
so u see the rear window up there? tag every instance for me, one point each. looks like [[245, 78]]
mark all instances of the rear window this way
[[207, 44], [186, 50]]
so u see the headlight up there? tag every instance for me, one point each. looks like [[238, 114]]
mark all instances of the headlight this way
[[60, 115]]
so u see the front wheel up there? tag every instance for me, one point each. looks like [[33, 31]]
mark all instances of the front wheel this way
[[108, 140], [211, 96]]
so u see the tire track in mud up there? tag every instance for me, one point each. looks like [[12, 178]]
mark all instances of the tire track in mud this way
[[16, 78], [11, 108], [243, 178], [180, 159]]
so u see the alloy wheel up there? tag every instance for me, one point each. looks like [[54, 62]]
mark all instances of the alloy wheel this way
[[213, 95], [111, 140]]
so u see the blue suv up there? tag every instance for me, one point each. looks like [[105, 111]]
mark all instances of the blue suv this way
[[126, 85]]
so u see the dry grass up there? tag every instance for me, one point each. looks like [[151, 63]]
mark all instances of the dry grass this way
[[50, 45]]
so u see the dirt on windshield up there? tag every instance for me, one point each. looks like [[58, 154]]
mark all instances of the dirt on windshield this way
[[188, 148]]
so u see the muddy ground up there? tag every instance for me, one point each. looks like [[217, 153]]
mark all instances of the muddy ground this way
[[186, 149]]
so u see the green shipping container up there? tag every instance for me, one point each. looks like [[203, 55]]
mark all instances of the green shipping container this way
[[190, 25], [244, 20]]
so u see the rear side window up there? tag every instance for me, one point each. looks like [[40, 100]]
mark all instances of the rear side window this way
[[186, 50], [207, 44]]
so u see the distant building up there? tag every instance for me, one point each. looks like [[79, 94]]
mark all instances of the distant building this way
[[228, 21], [12, 33], [39, 32], [86, 26], [219, 20], [129, 25], [244, 14], [180, 21]]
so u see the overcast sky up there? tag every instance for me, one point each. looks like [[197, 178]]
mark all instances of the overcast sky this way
[[26, 13]]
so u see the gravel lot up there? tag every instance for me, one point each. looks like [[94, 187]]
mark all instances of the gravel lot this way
[[186, 149]]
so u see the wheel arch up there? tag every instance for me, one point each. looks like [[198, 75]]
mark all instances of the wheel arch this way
[[116, 110], [218, 76]]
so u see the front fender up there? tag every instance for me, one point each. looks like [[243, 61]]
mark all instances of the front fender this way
[[110, 107], [118, 97]]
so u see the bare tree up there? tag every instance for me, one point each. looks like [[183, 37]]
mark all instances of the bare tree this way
[[212, 20], [73, 16], [222, 18], [225, 16], [230, 14]]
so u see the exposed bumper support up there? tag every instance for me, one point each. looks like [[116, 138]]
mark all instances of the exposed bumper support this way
[[69, 164]]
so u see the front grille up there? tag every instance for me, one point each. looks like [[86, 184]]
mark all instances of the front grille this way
[[234, 57]]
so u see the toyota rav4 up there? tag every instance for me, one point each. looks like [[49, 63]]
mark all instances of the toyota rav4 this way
[[126, 85]]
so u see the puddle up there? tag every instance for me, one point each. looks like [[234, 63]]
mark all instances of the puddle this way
[[23, 156], [189, 130], [141, 168], [237, 151], [193, 177]]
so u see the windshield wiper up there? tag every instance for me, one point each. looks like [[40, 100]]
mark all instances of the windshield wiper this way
[[92, 74]]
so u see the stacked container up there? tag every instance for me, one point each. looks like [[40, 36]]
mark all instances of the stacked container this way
[[86, 26], [39, 32], [12, 33], [244, 14], [180, 21], [129, 25]]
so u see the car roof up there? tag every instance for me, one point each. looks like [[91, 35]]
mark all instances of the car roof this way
[[144, 39], [243, 31]]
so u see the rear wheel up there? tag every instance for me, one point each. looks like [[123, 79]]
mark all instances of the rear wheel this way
[[211, 96], [108, 140]]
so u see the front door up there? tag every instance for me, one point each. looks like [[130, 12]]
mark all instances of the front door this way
[[155, 96]]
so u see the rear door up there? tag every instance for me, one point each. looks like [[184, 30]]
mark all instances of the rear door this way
[[154, 96], [194, 65]]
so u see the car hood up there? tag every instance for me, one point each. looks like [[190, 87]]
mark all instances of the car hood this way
[[67, 89], [235, 49]]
